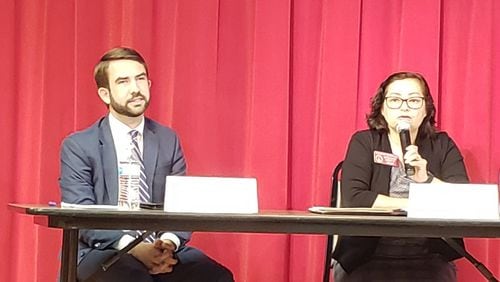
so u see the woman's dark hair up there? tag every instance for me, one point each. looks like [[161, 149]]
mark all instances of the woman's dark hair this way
[[377, 121]]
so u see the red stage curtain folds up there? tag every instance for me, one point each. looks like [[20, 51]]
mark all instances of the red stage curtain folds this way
[[271, 89]]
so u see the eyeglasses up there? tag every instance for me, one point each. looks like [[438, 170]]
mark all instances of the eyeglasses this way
[[414, 103]]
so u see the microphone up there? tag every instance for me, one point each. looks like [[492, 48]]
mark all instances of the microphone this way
[[403, 128]]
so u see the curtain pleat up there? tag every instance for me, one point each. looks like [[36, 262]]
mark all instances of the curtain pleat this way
[[269, 89]]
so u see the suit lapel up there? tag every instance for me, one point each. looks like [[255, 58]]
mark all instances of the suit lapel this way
[[385, 147], [109, 164], [151, 145]]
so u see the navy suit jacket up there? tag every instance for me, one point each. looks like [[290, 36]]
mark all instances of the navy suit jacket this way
[[89, 173]]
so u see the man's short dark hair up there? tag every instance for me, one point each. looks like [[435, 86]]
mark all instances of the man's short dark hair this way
[[377, 121], [119, 53]]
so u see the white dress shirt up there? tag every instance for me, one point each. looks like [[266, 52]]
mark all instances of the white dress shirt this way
[[123, 146]]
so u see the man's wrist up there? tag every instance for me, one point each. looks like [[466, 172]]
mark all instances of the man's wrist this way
[[429, 179], [172, 237]]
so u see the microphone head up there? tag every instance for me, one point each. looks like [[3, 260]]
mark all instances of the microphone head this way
[[402, 125]]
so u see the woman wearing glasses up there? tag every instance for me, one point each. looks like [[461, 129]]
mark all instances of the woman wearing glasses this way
[[373, 175]]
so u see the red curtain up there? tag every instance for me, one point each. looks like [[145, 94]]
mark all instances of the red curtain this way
[[271, 89]]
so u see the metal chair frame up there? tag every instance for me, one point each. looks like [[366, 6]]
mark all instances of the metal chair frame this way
[[331, 239], [334, 202]]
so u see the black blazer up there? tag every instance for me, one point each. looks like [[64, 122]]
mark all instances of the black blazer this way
[[363, 180]]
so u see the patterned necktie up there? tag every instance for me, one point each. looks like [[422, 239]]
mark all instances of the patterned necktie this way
[[143, 185], [137, 156]]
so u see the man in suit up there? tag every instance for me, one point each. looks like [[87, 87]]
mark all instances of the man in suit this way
[[89, 175]]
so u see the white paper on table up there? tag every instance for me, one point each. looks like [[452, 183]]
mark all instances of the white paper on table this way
[[80, 206]]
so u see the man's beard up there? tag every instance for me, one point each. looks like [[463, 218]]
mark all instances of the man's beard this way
[[127, 111]]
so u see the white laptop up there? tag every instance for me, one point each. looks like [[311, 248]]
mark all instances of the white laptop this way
[[203, 194], [453, 201]]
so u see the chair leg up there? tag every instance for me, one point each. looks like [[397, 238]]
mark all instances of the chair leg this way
[[328, 259]]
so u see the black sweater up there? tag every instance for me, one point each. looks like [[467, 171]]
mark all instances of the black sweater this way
[[363, 180]]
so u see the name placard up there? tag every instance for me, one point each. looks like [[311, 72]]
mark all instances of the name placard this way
[[453, 201], [202, 194]]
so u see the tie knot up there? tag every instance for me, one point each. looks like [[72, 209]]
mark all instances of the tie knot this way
[[133, 133]]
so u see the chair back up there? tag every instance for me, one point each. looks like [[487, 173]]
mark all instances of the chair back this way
[[334, 202]]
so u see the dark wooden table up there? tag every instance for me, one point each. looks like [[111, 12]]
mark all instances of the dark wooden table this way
[[294, 222]]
